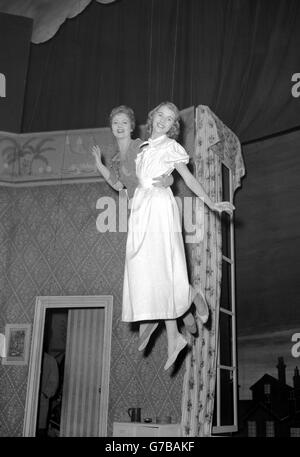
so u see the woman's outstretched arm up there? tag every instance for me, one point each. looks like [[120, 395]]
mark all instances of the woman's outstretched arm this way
[[117, 185], [196, 187]]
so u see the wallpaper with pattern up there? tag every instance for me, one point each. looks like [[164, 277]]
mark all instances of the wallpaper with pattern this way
[[49, 245]]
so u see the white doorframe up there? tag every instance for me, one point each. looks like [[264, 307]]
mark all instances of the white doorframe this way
[[32, 397]]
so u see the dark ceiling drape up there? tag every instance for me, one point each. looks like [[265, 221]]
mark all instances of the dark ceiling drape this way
[[236, 56]]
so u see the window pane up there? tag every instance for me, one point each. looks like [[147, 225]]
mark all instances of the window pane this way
[[270, 428], [295, 432], [227, 417], [225, 220], [251, 428], [292, 395], [225, 183], [267, 388], [225, 339], [215, 408], [226, 286]]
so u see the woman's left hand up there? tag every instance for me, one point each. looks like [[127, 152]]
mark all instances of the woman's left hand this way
[[224, 206]]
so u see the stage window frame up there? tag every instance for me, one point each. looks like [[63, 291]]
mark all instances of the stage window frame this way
[[226, 367]]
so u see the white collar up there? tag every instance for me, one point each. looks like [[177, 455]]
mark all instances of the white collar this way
[[155, 141]]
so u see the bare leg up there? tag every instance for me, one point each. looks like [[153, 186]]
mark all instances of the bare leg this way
[[188, 319], [146, 330], [172, 335], [143, 326], [176, 342]]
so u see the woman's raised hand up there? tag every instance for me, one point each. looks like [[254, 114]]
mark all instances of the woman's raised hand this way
[[224, 206], [96, 151]]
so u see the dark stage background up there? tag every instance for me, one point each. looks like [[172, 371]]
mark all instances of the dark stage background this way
[[267, 252], [236, 56], [267, 223], [15, 34]]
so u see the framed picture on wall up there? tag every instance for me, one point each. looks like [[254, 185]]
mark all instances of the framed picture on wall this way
[[17, 344]]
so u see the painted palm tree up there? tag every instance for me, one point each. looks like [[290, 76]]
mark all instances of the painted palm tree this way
[[36, 151], [14, 152]]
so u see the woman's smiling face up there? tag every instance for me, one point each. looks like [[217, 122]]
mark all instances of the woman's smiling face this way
[[163, 120], [121, 126]]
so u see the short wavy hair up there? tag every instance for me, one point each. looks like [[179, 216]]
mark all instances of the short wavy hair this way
[[125, 110], [174, 130]]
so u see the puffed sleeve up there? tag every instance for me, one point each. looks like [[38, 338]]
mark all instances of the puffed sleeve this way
[[176, 153]]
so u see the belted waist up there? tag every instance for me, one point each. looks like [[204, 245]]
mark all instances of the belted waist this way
[[146, 182]]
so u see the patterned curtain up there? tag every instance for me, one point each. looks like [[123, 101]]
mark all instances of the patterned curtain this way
[[214, 143]]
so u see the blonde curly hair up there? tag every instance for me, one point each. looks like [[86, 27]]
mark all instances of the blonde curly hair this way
[[125, 110], [174, 130]]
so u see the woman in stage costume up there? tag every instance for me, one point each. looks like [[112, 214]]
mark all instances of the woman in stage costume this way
[[156, 285], [122, 172]]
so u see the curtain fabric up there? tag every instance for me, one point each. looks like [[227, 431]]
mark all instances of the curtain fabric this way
[[235, 56], [206, 261], [80, 411], [47, 15]]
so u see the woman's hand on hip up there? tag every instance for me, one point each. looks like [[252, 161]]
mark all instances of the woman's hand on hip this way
[[163, 181]]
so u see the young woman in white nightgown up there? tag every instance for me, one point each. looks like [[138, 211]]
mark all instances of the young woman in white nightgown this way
[[122, 172], [156, 284]]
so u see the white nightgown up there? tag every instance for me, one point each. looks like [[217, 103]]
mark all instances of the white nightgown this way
[[156, 284]]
